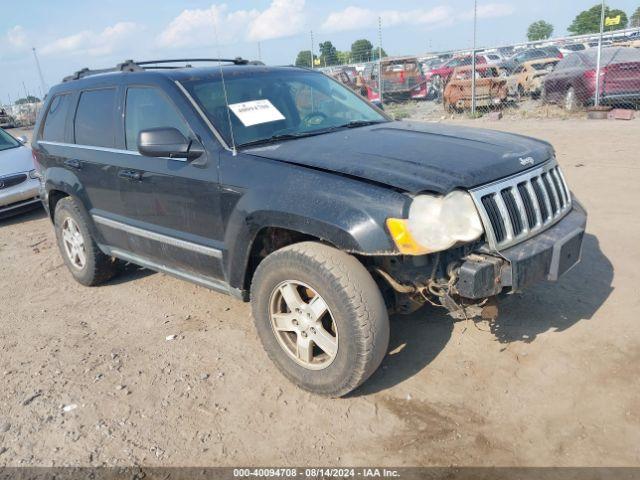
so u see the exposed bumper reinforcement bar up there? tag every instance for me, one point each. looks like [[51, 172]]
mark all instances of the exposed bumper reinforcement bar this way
[[546, 256]]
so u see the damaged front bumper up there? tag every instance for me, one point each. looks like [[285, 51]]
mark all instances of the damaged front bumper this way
[[545, 256]]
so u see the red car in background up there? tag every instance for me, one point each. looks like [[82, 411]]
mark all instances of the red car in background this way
[[573, 81], [444, 71], [437, 78]]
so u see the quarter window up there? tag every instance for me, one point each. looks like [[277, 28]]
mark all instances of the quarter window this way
[[94, 123], [148, 108], [55, 121]]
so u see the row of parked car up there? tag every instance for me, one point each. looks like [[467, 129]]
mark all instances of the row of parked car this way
[[565, 75]]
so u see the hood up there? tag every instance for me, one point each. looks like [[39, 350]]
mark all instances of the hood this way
[[414, 156], [15, 160]]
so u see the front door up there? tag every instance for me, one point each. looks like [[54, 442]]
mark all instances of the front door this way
[[172, 205]]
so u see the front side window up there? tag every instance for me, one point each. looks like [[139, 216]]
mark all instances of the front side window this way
[[56, 119], [147, 108], [7, 141], [264, 105], [94, 124]]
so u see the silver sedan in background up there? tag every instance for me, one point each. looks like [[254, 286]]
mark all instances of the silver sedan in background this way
[[18, 178]]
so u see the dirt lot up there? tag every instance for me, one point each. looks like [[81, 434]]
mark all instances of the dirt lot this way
[[554, 382]]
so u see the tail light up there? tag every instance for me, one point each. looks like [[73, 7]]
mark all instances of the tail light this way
[[560, 55], [591, 74]]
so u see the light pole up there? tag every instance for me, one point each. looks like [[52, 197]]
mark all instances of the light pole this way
[[599, 57], [42, 84], [380, 58], [473, 60], [311, 49]]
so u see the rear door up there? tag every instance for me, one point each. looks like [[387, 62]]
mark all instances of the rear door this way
[[622, 78], [76, 145], [96, 158], [173, 214]]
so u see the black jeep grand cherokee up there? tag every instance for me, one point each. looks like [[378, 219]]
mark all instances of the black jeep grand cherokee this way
[[281, 186]]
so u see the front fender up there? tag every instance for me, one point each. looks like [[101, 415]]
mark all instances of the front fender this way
[[345, 212]]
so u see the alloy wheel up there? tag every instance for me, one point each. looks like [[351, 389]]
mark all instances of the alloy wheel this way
[[303, 325], [73, 242]]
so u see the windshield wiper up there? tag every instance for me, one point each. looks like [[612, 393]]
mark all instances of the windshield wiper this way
[[360, 123], [275, 138], [291, 136]]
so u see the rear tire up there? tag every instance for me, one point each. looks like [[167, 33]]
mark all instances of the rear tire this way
[[353, 317], [86, 262]]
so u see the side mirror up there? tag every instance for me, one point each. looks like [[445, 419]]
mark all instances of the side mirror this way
[[168, 142], [22, 139]]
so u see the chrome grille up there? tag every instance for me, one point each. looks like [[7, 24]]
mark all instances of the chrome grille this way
[[518, 207]]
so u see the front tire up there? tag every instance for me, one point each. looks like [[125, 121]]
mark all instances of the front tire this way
[[86, 262], [320, 316]]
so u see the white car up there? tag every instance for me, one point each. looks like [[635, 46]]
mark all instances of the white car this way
[[19, 182]]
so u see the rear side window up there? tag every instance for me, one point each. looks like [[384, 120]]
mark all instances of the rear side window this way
[[55, 121], [94, 123], [146, 108]]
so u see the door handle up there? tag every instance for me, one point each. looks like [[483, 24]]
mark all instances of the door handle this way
[[73, 163], [132, 175]]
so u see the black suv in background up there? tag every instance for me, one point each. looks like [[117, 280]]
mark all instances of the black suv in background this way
[[281, 186]]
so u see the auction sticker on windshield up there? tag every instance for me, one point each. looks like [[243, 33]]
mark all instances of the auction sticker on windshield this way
[[256, 112]]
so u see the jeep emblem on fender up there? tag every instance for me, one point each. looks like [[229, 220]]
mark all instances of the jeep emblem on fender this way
[[526, 161]]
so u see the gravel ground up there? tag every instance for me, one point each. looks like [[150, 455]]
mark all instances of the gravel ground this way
[[89, 377]]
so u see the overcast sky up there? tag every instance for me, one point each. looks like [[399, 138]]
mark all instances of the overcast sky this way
[[99, 33]]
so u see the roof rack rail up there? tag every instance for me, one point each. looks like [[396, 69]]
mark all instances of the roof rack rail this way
[[133, 66]]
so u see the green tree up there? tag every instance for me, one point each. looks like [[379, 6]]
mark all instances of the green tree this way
[[344, 57], [635, 19], [539, 30], [28, 99], [588, 21], [361, 50], [374, 54], [328, 54], [304, 58]]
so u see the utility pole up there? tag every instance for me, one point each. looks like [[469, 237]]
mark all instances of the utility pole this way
[[380, 58], [473, 60], [312, 50], [26, 95], [43, 85], [599, 57]]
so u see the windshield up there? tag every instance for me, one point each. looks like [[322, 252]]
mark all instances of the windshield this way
[[7, 141], [270, 105]]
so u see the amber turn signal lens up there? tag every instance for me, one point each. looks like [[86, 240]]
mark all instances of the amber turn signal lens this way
[[402, 237]]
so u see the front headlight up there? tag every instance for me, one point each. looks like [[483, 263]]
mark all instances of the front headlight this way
[[436, 223]]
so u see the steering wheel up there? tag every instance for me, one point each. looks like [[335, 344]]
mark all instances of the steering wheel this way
[[308, 119]]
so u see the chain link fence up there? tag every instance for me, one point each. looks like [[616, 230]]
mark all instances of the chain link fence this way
[[19, 114], [596, 72]]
